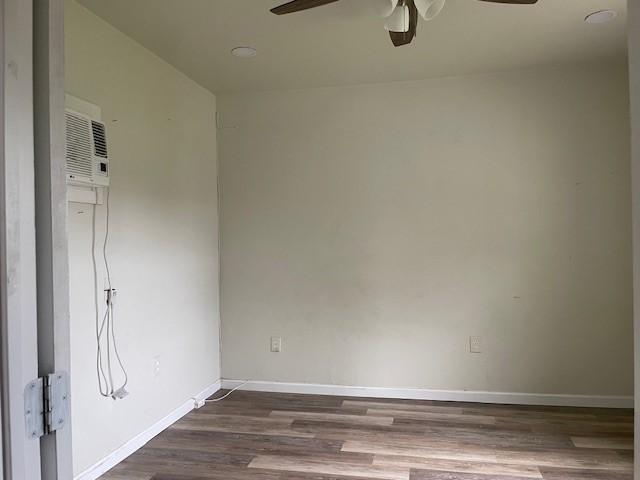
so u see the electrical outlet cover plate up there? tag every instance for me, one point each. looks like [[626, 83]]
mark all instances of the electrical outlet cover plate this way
[[156, 365], [276, 344], [475, 345]]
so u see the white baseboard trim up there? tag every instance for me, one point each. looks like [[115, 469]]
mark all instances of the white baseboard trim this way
[[107, 463], [559, 400]]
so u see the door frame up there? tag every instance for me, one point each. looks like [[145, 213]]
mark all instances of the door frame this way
[[52, 260], [34, 296], [18, 313], [633, 12]]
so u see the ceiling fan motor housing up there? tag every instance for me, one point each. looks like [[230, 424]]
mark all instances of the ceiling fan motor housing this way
[[402, 15]]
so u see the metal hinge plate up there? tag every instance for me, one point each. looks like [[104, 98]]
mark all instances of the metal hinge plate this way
[[46, 404]]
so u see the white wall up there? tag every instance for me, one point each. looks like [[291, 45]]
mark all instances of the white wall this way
[[163, 236], [376, 228]]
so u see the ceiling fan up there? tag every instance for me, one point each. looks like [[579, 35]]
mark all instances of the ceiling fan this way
[[402, 15]]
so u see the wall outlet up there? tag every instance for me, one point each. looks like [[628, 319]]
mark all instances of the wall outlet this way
[[156, 366], [198, 402], [276, 344], [475, 345]]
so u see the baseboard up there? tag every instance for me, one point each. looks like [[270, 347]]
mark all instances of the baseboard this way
[[100, 468], [559, 400]]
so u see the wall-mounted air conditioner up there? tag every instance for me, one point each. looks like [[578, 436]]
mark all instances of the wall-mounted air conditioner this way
[[86, 150]]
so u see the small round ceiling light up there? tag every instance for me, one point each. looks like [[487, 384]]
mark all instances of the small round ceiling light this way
[[244, 52], [601, 16]]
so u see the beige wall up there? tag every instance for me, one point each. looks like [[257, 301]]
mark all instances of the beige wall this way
[[376, 228], [163, 236]]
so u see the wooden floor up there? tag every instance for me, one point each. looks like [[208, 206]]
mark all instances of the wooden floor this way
[[307, 437]]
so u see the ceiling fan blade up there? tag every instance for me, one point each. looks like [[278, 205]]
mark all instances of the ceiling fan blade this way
[[404, 38], [513, 2], [299, 5]]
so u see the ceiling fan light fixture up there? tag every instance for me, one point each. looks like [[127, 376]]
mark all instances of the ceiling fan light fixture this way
[[429, 9], [384, 8], [398, 21], [401, 15]]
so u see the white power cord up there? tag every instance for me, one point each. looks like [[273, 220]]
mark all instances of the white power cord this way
[[104, 390], [212, 400], [105, 330]]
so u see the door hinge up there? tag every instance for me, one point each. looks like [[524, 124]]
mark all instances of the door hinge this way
[[46, 404]]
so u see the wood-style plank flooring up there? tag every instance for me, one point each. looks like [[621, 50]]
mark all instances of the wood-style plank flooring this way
[[266, 436]]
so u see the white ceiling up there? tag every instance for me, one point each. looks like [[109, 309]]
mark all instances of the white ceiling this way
[[344, 43]]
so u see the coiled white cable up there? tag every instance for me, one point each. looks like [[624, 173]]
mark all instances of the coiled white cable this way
[[105, 329]]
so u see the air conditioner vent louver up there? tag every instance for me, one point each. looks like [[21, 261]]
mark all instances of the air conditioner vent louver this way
[[99, 139], [86, 146], [78, 147]]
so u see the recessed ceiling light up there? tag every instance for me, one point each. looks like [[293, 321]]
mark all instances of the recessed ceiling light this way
[[601, 16], [244, 52]]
